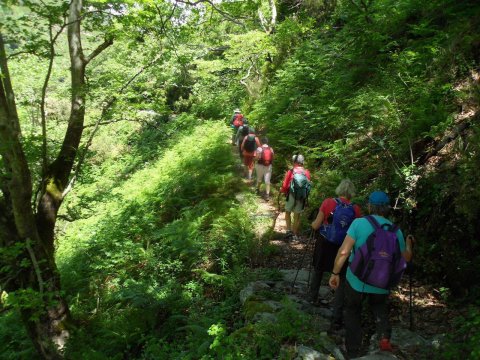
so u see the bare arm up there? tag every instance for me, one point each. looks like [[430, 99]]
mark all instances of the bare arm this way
[[342, 256], [318, 220]]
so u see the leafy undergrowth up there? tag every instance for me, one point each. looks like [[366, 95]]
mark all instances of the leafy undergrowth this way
[[159, 254], [160, 263]]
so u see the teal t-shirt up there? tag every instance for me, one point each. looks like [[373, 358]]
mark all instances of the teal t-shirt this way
[[359, 230]]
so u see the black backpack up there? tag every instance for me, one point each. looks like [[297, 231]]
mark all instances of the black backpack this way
[[250, 143]]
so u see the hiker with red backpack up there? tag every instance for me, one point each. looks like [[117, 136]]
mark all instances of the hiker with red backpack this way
[[296, 186], [263, 167], [332, 222], [237, 120], [248, 147], [377, 254]]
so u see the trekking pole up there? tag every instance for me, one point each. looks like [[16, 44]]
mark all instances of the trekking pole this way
[[301, 262], [410, 265], [311, 237]]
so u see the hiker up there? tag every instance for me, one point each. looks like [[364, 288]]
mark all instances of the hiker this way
[[333, 219], [237, 120], [296, 186], [241, 133], [263, 167], [248, 147], [373, 227]]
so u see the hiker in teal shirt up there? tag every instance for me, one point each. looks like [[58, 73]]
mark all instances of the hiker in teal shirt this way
[[359, 230], [356, 290]]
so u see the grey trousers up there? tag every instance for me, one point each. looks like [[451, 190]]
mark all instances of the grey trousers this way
[[353, 317]]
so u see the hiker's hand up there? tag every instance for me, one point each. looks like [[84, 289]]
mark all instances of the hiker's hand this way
[[334, 281], [410, 241]]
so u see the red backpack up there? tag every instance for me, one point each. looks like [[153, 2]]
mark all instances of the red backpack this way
[[238, 121], [266, 158]]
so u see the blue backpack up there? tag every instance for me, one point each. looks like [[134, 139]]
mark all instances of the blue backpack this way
[[379, 262], [343, 215]]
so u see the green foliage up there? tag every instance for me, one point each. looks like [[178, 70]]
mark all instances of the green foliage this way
[[364, 104], [266, 340], [464, 342], [178, 234], [15, 343]]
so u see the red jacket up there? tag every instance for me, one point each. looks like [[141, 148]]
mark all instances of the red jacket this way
[[289, 176]]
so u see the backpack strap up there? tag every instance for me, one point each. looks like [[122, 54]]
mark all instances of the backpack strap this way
[[376, 225], [373, 222], [393, 228]]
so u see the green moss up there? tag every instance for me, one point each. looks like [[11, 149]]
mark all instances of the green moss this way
[[53, 190], [253, 307]]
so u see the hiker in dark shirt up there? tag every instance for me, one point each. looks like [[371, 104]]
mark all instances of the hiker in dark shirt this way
[[248, 148], [326, 248]]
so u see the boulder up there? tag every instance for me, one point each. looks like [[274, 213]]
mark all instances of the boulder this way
[[264, 317], [306, 353], [289, 275], [252, 289]]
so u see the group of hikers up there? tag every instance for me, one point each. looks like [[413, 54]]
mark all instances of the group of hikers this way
[[365, 255]]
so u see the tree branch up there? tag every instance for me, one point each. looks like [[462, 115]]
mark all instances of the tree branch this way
[[273, 19], [99, 122], [225, 14], [98, 50], [263, 21], [35, 266]]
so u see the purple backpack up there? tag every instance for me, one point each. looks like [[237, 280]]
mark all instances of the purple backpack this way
[[379, 261]]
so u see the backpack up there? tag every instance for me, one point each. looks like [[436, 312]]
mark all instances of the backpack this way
[[342, 217], [266, 158], [300, 185], [250, 144], [379, 261], [244, 130], [238, 121]]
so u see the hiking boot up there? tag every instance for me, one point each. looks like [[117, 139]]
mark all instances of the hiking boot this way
[[266, 197], [289, 234], [385, 345]]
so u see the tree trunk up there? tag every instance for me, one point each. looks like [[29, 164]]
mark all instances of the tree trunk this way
[[46, 324], [38, 282]]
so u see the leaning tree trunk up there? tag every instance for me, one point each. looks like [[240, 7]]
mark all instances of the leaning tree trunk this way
[[36, 280], [47, 323]]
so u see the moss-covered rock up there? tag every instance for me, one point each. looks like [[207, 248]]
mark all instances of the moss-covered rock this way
[[252, 307]]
